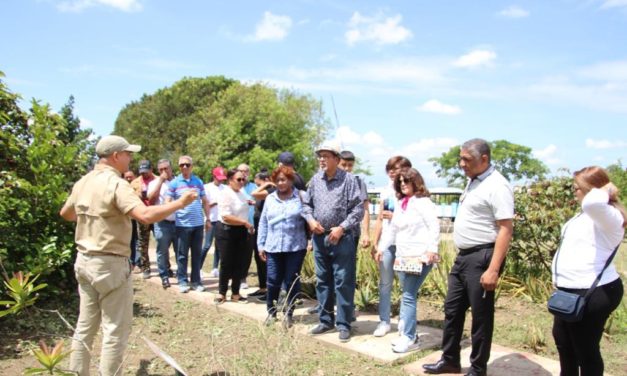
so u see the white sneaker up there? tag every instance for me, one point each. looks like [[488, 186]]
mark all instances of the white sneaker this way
[[243, 285], [382, 329], [214, 273], [405, 344]]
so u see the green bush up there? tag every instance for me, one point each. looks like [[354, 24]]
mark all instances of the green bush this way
[[41, 155]]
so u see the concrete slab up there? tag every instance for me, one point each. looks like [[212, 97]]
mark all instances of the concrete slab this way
[[503, 361]]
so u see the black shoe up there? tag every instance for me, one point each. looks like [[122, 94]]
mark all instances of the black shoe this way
[[288, 322], [441, 366], [313, 310], [475, 373], [257, 293], [165, 283], [170, 273], [345, 335], [319, 329], [261, 298]]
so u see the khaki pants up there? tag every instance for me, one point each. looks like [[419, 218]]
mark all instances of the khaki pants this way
[[106, 293]]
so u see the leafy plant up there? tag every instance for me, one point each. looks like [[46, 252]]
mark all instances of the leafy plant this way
[[21, 290], [49, 358]]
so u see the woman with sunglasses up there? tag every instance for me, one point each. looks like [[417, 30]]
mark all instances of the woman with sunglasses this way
[[588, 240], [415, 229], [232, 236]]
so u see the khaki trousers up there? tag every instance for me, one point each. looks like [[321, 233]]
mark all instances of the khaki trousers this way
[[106, 300]]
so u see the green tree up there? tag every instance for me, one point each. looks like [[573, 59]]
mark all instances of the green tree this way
[[254, 123], [514, 161], [162, 122], [618, 176], [39, 164]]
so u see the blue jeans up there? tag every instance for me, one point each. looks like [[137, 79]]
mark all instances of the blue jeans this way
[[188, 238], [283, 268], [165, 234], [207, 244], [335, 275], [411, 284], [386, 281], [134, 254]]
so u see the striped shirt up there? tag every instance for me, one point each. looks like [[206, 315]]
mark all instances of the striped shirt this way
[[191, 215]]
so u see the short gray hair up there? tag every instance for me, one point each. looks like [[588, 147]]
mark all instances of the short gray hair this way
[[186, 157], [161, 161], [477, 147]]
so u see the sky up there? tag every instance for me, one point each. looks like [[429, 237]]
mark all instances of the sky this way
[[404, 77]]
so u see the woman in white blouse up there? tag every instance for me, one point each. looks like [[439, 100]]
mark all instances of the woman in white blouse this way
[[231, 236], [588, 240], [415, 229]]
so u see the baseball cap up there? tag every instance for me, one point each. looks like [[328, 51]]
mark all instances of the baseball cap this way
[[286, 158], [144, 166], [329, 147], [110, 144], [218, 173]]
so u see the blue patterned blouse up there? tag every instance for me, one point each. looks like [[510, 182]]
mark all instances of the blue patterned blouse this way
[[281, 225]]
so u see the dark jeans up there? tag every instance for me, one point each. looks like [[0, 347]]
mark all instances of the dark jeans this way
[[209, 235], [578, 342], [234, 246], [188, 238], [165, 234], [261, 265], [283, 268], [134, 256], [143, 240], [464, 290], [335, 277]]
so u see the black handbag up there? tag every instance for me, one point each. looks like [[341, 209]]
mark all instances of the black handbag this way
[[569, 306]]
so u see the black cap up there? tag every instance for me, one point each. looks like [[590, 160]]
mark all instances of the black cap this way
[[144, 166], [286, 158]]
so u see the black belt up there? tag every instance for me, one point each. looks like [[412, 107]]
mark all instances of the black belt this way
[[165, 220], [475, 248]]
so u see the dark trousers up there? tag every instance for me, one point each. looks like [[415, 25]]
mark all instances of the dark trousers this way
[[578, 342], [284, 268], [189, 243], [143, 241], [464, 290], [134, 258], [261, 265], [234, 246]]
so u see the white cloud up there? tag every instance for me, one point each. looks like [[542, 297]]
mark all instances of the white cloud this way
[[86, 123], [435, 106], [604, 144], [514, 11], [77, 6], [378, 29], [346, 136], [610, 71], [547, 154], [476, 58], [272, 27], [607, 4], [372, 138]]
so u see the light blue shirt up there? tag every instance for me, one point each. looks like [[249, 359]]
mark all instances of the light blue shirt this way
[[248, 189], [191, 215], [281, 225]]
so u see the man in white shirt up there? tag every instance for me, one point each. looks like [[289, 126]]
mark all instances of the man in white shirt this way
[[213, 190], [482, 233], [165, 230]]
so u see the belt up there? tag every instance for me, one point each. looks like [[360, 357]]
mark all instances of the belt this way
[[475, 248], [165, 220], [100, 254]]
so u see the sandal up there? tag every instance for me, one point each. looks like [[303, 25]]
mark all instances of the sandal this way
[[219, 299], [241, 299]]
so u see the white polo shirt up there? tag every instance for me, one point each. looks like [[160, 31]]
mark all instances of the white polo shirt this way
[[162, 195], [486, 199], [213, 195]]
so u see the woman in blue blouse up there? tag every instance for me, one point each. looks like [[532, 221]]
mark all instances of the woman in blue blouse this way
[[282, 240]]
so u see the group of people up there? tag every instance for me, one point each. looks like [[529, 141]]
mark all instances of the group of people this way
[[275, 216]]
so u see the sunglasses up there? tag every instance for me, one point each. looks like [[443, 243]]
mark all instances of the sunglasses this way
[[186, 165], [241, 180]]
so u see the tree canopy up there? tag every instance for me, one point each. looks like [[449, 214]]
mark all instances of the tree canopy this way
[[219, 121], [514, 161]]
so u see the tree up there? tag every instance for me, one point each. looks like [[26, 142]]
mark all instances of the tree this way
[[253, 123], [618, 176], [162, 122], [514, 161], [41, 155]]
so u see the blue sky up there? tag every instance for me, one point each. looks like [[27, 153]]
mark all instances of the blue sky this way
[[407, 77]]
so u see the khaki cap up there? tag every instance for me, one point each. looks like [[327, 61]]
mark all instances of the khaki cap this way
[[329, 146], [110, 144]]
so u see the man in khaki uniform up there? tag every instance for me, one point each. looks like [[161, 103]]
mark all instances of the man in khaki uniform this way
[[102, 205]]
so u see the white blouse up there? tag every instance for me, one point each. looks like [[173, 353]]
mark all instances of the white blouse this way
[[415, 230], [232, 203], [588, 240]]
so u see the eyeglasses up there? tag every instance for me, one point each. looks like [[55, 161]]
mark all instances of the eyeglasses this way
[[186, 165], [576, 188], [241, 180]]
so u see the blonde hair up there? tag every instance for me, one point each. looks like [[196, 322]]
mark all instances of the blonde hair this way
[[596, 177]]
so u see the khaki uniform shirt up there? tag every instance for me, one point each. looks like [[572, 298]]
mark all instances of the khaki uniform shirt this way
[[102, 200]]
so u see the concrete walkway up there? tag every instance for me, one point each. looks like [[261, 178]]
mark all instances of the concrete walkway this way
[[504, 361]]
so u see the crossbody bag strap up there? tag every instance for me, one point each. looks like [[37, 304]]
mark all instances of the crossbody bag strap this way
[[596, 281]]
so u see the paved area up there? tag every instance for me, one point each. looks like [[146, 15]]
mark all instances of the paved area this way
[[504, 361]]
